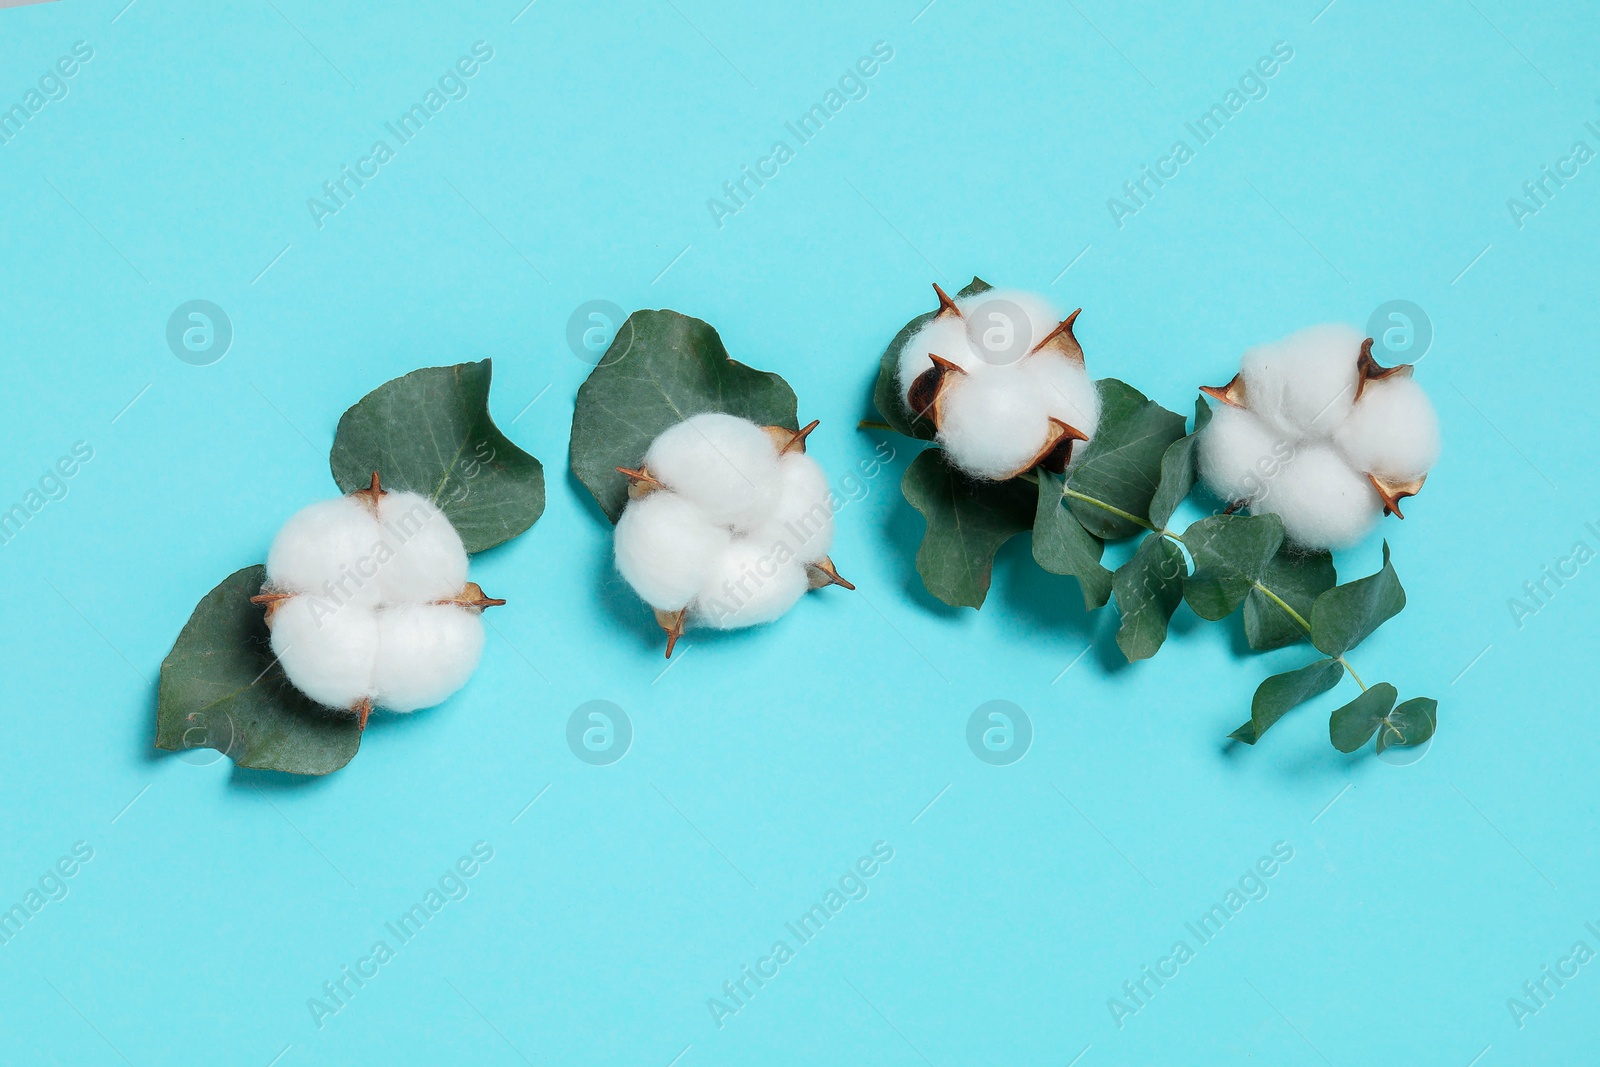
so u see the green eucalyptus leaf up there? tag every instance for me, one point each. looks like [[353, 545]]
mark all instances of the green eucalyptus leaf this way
[[1353, 725], [1283, 692], [1062, 546], [968, 521], [1149, 588], [1231, 553], [886, 394], [1346, 615], [1177, 469], [1297, 578], [222, 688], [1122, 466], [430, 433], [1411, 723], [662, 368]]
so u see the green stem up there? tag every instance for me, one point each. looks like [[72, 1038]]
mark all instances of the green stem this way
[[873, 424], [1299, 619], [1087, 499]]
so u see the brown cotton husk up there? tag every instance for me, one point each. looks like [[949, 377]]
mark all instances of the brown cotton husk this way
[[786, 440], [824, 573], [673, 623], [1231, 394], [1393, 491], [1061, 340], [1369, 370]]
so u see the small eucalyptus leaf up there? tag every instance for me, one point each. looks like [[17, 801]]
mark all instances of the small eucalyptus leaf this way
[[1231, 553], [1122, 466], [1297, 578], [1062, 546], [1284, 692], [222, 688], [1411, 723], [1353, 725], [430, 432], [1177, 469], [968, 521], [1149, 588], [670, 367], [1346, 615]]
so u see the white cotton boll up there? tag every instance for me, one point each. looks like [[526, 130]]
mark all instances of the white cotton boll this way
[[1068, 392], [422, 556], [317, 548], [944, 336], [1393, 431], [426, 652], [803, 518], [667, 549], [993, 424], [996, 333], [1322, 502], [1307, 381], [1238, 453], [726, 465], [327, 651], [749, 587]]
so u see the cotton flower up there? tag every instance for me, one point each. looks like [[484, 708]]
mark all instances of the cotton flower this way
[[727, 524], [369, 605], [1314, 431], [1002, 379]]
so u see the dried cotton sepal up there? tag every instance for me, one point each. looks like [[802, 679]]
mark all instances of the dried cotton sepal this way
[[1314, 430], [368, 603], [1003, 380], [727, 524]]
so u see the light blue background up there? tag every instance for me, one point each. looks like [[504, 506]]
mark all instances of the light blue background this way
[[765, 763]]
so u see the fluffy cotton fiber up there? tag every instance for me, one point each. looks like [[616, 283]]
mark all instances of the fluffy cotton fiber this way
[[1295, 441], [730, 525], [994, 415], [367, 605]]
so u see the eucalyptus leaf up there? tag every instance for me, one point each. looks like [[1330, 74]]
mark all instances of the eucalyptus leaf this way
[[887, 396], [662, 368], [1177, 469], [1062, 546], [1411, 723], [1297, 578], [1149, 589], [1121, 466], [1353, 725], [1231, 553], [222, 688], [430, 432], [1346, 615], [1283, 692], [968, 521]]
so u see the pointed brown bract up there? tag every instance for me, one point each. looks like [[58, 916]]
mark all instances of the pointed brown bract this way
[[946, 305], [923, 396], [1057, 452], [471, 596], [1369, 370], [823, 572], [640, 482], [673, 622], [1392, 492], [369, 496], [1061, 340], [1231, 394], [271, 601], [786, 440], [362, 711]]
